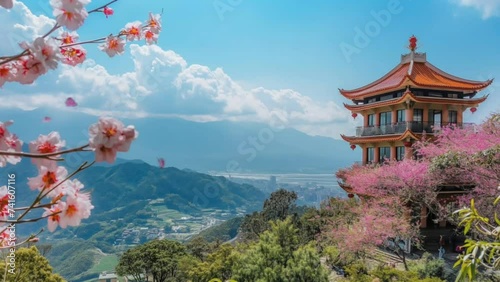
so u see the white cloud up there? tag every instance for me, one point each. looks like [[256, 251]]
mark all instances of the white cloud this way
[[20, 24], [488, 8], [163, 84]]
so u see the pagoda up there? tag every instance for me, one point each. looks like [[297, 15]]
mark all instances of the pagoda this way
[[414, 99]]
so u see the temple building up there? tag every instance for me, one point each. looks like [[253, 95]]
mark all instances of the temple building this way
[[412, 99]]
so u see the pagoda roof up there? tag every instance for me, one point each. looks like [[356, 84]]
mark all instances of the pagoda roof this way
[[414, 70], [409, 96], [380, 138]]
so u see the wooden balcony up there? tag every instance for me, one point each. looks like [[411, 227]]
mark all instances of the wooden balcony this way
[[400, 127]]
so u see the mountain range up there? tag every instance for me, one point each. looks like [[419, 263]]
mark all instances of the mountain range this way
[[210, 146]]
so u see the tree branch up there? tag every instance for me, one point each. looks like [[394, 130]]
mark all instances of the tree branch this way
[[45, 156]]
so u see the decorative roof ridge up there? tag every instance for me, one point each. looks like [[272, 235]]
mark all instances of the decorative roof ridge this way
[[417, 58]]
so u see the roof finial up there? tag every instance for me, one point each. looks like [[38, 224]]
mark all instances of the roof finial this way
[[413, 43]]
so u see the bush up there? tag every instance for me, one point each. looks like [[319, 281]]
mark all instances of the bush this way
[[358, 271], [430, 267], [389, 274]]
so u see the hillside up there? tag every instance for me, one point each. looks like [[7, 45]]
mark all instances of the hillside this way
[[121, 191]]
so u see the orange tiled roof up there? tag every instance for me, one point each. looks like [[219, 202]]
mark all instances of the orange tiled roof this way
[[380, 138], [415, 73], [409, 96]]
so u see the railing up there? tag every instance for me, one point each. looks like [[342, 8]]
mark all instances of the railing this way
[[400, 127]]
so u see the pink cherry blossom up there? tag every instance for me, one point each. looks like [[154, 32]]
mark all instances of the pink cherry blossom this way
[[54, 215], [9, 142], [129, 134], [5, 237], [4, 203], [133, 31], [78, 207], [154, 23], [109, 136], [7, 4], [7, 73], [47, 179], [72, 187], [68, 37], [70, 13], [28, 69], [107, 11], [46, 144], [151, 37], [46, 51], [70, 102], [113, 45], [73, 55], [107, 132]]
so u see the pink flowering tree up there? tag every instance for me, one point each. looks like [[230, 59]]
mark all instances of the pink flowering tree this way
[[63, 198], [465, 157], [477, 161]]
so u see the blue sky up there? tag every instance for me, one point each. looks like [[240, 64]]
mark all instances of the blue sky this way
[[244, 60]]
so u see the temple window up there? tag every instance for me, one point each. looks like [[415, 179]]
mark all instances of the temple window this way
[[384, 153], [371, 120], [400, 153], [385, 118], [435, 94], [418, 115], [370, 154], [401, 115], [386, 97], [452, 117]]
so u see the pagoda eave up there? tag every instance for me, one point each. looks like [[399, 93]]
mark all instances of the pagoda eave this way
[[345, 187], [417, 74], [380, 138], [409, 96]]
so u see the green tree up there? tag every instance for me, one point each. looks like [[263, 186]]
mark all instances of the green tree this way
[[29, 266], [278, 256], [198, 247], [218, 264], [131, 264], [278, 206], [157, 258]]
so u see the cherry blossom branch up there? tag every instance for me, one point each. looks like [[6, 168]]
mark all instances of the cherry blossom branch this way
[[23, 242], [35, 207], [81, 168], [12, 58], [41, 195], [47, 155], [102, 7], [99, 40], [28, 220], [54, 28], [7, 59]]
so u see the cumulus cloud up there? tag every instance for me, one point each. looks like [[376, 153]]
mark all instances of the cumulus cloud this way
[[20, 24], [488, 8], [163, 84]]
